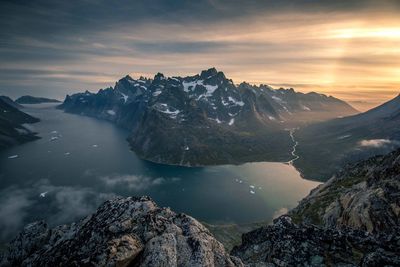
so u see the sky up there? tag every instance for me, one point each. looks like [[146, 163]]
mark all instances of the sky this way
[[348, 49]]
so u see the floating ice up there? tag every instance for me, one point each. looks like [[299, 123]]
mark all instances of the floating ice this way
[[13, 157], [252, 186], [53, 138], [43, 194], [67, 153], [252, 192], [111, 112]]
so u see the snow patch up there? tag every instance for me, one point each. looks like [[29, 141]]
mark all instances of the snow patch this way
[[236, 102], [157, 92], [231, 122], [164, 108], [188, 86], [125, 97]]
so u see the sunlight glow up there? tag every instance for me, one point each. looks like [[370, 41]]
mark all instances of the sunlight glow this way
[[390, 33]]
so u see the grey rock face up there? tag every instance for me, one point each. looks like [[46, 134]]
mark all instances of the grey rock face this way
[[122, 232], [287, 244]]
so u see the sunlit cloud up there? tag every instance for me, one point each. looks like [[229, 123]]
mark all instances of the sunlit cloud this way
[[327, 47]]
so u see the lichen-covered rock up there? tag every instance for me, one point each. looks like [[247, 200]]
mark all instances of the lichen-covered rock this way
[[363, 196], [122, 232], [287, 244]]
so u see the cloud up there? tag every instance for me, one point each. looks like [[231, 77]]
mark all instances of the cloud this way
[[377, 143], [62, 204], [136, 182], [13, 210]]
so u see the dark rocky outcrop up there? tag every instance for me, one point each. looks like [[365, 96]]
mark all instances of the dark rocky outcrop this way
[[13, 130], [27, 99], [287, 244]]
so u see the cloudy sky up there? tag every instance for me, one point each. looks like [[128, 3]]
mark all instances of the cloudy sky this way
[[349, 49]]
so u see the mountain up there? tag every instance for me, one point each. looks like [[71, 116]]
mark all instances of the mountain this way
[[27, 99], [12, 124], [205, 119], [327, 146]]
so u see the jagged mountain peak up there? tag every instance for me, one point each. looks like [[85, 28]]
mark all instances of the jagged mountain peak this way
[[208, 73], [159, 76]]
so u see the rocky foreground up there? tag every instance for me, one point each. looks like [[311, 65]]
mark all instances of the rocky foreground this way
[[135, 232]]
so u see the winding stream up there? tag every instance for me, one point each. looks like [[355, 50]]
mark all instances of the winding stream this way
[[295, 144]]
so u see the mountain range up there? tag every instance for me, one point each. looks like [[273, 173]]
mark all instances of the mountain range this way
[[13, 124], [326, 147], [205, 119]]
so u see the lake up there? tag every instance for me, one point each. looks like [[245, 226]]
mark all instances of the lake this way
[[80, 162]]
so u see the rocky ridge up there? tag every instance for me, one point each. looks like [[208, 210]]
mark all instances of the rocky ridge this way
[[122, 232]]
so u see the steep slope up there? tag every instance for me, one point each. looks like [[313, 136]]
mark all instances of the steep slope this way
[[364, 196], [205, 119], [12, 120], [325, 147], [122, 232], [27, 99]]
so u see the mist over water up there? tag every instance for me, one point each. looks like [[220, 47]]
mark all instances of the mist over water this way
[[80, 162]]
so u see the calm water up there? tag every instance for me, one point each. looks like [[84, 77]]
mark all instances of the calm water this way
[[89, 161]]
